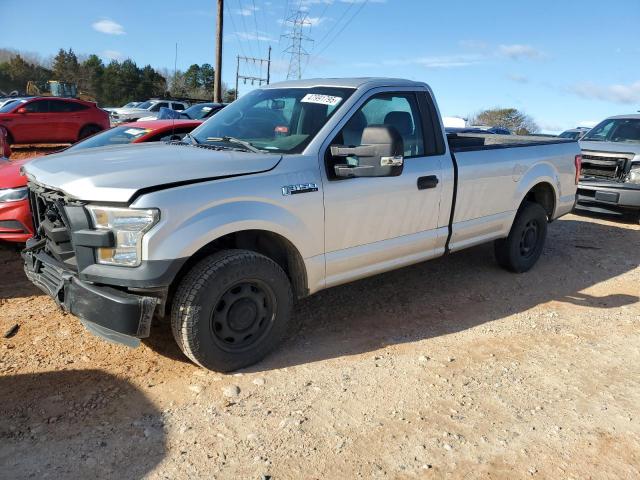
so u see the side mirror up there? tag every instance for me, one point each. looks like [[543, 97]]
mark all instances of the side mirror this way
[[380, 155], [21, 110]]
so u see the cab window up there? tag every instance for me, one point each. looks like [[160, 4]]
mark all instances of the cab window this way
[[398, 110], [38, 106]]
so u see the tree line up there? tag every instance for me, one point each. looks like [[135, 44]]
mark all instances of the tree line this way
[[113, 84]]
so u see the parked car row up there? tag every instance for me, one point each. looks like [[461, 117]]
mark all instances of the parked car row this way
[[15, 215]]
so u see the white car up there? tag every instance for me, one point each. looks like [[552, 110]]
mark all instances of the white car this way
[[147, 109]]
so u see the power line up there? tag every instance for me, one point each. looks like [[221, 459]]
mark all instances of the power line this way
[[335, 25], [355, 14], [255, 21], [235, 30]]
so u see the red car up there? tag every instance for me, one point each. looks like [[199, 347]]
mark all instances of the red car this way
[[15, 215], [52, 120]]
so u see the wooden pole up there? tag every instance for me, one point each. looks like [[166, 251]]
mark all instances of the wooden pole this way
[[217, 85]]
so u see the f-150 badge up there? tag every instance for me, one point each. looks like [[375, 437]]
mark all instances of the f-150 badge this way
[[299, 188]]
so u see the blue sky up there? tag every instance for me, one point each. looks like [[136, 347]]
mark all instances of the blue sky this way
[[564, 62]]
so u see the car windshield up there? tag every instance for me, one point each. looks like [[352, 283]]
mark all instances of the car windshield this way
[[115, 136], [145, 105], [569, 134], [282, 120], [625, 130], [131, 105], [197, 112], [10, 105]]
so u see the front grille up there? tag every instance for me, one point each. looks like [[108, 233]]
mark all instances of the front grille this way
[[602, 166], [51, 224]]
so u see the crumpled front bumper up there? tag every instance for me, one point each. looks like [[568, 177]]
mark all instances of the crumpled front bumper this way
[[112, 314]]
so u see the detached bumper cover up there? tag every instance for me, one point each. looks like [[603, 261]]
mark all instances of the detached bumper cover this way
[[115, 315], [611, 197]]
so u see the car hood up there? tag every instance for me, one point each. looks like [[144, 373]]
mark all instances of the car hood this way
[[127, 111], [117, 173], [10, 176], [615, 147]]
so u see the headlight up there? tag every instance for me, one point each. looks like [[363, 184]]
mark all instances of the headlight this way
[[634, 173], [13, 194], [128, 226]]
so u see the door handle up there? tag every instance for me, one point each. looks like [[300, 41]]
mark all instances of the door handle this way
[[430, 181]]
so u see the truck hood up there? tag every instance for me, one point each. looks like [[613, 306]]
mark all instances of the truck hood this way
[[117, 173], [615, 147]]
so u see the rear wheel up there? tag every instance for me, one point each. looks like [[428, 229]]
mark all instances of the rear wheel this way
[[231, 310], [88, 131], [522, 248]]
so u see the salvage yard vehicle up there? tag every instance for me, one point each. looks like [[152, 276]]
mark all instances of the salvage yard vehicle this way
[[610, 181], [15, 214], [150, 108], [52, 120], [291, 189], [139, 132]]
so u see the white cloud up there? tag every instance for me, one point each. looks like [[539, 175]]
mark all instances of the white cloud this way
[[444, 61], [516, 77], [113, 55], [616, 93], [109, 27], [315, 21], [247, 11], [259, 36], [587, 123], [517, 51]]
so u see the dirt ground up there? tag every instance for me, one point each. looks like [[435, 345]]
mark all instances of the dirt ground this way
[[448, 369]]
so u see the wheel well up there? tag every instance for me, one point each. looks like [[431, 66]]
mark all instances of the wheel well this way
[[269, 244], [544, 195]]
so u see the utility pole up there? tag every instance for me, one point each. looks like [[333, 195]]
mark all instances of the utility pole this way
[[298, 21], [253, 79], [217, 83]]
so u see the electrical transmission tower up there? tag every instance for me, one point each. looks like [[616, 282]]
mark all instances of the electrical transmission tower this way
[[297, 22]]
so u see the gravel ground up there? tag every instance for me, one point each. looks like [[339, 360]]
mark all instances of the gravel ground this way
[[448, 369]]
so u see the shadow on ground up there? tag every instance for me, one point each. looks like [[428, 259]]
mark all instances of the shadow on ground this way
[[458, 292], [76, 424]]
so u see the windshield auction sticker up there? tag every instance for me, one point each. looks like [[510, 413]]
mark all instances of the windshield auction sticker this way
[[321, 99]]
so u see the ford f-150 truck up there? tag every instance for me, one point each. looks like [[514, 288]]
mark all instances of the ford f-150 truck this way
[[610, 181], [293, 188]]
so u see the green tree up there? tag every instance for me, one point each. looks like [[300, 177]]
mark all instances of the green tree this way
[[66, 67], [229, 95], [91, 76], [518, 122]]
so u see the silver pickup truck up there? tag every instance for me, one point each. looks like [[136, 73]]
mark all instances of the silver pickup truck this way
[[610, 179], [293, 188]]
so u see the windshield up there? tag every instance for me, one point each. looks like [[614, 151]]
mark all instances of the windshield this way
[[570, 134], [10, 105], [198, 112], [145, 105], [131, 105], [626, 130], [115, 136], [282, 120]]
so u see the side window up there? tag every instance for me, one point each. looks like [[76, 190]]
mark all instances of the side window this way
[[60, 106], [178, 107], [39, 106], [398, 110], [433, 138], [157, 106]]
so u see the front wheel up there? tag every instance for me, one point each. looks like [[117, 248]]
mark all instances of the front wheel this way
[[521, 249], [231, 310]]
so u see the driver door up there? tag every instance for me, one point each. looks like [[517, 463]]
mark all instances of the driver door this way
[[378, 223]]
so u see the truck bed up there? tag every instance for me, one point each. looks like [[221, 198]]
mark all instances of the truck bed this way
[[465, 142]]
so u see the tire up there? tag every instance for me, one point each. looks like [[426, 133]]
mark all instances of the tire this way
[[87, 131], [231, 310], [520, 251]]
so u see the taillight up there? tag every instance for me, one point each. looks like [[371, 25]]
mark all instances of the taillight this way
[[578, 163]]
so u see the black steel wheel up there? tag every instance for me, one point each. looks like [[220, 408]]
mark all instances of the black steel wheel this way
[[232, 309], [520, 251]]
